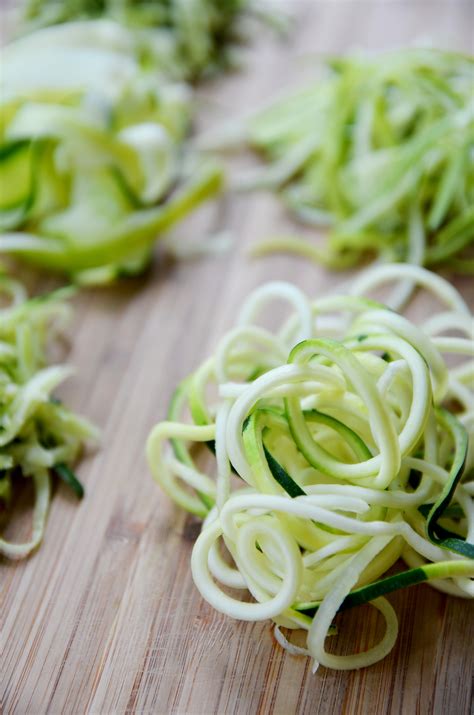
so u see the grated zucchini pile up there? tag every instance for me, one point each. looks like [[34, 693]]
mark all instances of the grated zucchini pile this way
[[39, 436], [380, 153]]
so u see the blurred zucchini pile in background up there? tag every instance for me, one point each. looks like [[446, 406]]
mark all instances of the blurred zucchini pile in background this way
[[379, 152], [95, 116], [190, 37]]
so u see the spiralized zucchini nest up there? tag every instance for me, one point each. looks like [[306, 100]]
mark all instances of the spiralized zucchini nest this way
[[341, 443]]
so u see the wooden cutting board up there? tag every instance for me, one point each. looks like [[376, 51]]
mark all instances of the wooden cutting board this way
[[105, 617]]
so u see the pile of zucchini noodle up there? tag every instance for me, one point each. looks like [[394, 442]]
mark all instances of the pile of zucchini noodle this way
[[378, 152], [94, 166], [39, 436], [191, 37], [341, 443]]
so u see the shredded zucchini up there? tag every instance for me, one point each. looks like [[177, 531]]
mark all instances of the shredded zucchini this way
[[193, 38], [39, 436], [379, 153], [343, 440], [93, 167]]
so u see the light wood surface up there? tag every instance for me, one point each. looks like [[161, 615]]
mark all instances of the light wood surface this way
[[104, 618]]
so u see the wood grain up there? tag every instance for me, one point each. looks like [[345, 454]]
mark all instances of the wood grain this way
[[105, 617]]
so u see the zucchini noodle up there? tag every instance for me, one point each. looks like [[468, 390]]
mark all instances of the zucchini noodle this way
[[38, 435], [342, 442], [193, 37], [379, 152], [93, 162]]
